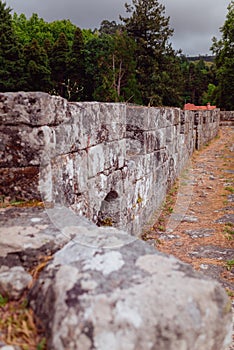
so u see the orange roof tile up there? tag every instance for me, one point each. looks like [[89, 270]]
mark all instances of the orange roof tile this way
[[192, 107]]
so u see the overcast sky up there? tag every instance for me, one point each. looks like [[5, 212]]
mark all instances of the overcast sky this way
[[195, 22]]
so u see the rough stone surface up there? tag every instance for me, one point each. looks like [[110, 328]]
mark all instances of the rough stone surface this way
[[228, 218], [127, 296], [112, 163], [199, 233], [211, 251], [190, 219], [13, 282], [227, 118], [9, 347], [27, 234], [79, 154], [216, 272]]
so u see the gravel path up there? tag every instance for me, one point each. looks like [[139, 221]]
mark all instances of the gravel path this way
[[200, 230]]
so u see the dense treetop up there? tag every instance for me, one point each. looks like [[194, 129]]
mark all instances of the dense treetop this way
[[131, 61], [224, 51]]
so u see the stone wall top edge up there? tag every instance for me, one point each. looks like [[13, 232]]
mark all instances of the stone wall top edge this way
[[40, 108], [223, 113], [45, 94]]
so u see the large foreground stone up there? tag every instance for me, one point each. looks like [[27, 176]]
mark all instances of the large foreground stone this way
[[13, 282], [26, 235], [106, 291]]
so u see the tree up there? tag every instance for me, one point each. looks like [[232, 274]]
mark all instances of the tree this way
[[224, 51], [108, 27], [11, 64], [36, 28], [124, 68], [32, 28], [149, 27], [76, 68], [20, 25], [98, 54], [110, 68], [197, 76], [209, 95], [171, 87], [36, 68], [58, 64], [48, 47], [63, 26], [88, 35]]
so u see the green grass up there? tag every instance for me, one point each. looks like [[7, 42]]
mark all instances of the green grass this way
[[42, 344], [229, 189], [3, 301], [230, 293], [229, 264], [161, 228], [228, 230], [18, 326], [170, 209]]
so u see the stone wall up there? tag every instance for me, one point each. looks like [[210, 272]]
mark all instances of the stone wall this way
[[112, 163], [103, 289], [227, 118]]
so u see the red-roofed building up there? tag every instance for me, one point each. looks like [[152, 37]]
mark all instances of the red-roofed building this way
[[192, 107]]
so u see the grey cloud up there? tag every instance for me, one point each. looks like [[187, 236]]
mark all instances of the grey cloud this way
[[84, 13], [195, 22]]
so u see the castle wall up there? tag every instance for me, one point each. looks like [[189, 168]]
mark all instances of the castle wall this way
[[110, 162]]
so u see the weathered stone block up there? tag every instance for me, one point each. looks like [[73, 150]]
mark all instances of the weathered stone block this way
[[127, 296], [137, 118], [69, 136], [113, 116], [20, 183], [96, 160], [32, 108], [13, 282], [27, 234], [24, 146], [115, 154], [133, 147], [102, 122]]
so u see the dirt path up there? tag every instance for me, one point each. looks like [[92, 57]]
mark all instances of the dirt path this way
[[203, 233], [205, 236]]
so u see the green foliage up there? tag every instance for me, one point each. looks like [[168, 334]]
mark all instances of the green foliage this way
[[108, 27], [229, 189], [132, 61], [37, 28], [36, 68], [224, 51], [97, 61], [63, 26], [199, 78], [32, 28], [209, 95], [3, 301], [59, 65], [76, 68], [158, 70], [110, 68], [88, 35], [11, 65], [230, 264], [124, 68], [42, 344]]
